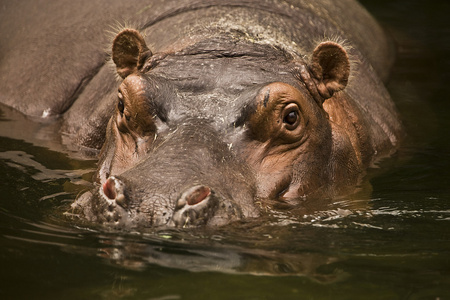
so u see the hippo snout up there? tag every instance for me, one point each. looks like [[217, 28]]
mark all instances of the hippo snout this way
[[195, 206], [122, 205]]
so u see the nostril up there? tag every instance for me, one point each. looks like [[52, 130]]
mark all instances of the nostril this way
[[197, 194], [109, 188], [196, 206], [194, 195]]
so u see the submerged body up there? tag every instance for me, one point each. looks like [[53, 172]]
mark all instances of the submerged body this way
[[226, 107]]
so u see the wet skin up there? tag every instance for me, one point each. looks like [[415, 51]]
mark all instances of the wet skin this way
[[227, 108]]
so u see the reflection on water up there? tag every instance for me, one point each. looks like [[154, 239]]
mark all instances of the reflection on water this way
[[393, 244]]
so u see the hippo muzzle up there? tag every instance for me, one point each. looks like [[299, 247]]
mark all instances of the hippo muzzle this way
[[198, 205]]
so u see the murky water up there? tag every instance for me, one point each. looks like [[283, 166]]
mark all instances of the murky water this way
[[397, 249]]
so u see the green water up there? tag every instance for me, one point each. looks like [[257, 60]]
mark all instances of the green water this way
[[398, 249]]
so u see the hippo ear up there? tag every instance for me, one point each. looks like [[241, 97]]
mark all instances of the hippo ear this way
[[330, 68], [129, 51]]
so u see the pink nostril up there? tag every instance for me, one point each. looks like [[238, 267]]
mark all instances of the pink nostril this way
[[198, 195], [109, 188]]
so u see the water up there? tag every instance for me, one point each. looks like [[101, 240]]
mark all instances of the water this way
[[397, 249]]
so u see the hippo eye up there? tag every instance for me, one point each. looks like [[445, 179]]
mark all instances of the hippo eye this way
[[291, 116], [120, 104]]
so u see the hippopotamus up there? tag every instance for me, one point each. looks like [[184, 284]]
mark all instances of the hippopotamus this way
[[208, 112]]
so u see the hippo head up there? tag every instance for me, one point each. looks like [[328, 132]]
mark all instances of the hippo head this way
[[206, 134]]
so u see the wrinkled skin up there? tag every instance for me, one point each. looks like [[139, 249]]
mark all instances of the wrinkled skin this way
[[226, 108]]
